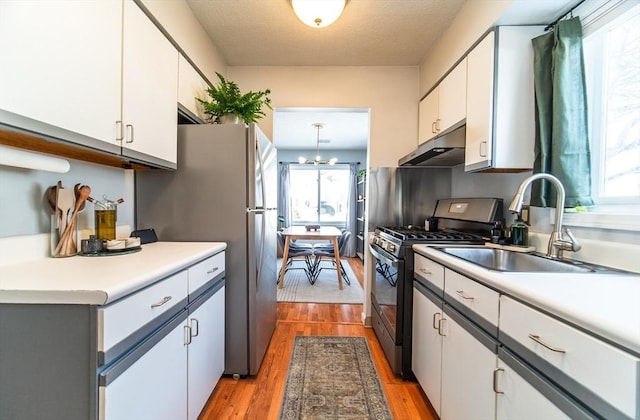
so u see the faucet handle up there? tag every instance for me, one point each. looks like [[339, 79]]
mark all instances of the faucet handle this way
[[575, 245]]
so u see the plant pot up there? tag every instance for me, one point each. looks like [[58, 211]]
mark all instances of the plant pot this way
[[229, 119]]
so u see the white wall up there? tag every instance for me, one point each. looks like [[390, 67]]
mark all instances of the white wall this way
[[391, 94], [177, 18]]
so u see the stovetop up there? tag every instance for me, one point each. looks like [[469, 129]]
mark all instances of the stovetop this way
[[415, 234]]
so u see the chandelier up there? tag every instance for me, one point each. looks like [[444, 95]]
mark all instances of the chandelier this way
[[318, 160], [318, 13]]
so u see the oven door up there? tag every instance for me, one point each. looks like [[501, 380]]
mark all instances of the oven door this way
[[384, 290]]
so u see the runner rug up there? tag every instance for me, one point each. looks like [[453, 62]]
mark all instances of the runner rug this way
[[325, 290], [332, 378]]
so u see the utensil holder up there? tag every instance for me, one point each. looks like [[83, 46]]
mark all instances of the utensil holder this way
[[63, 245]]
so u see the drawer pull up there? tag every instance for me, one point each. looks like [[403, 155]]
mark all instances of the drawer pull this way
[[537, 339], [195, 322], [495, 380], [425, 271], [463, 295], [439, 315], [213, 270], [441, 327], [162, 302], [187, 335]]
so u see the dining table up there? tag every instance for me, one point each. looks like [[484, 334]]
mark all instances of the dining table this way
[[324, 233]]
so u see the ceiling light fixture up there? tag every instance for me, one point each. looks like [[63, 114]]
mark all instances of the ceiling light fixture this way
[[318, 160], [318, 13]]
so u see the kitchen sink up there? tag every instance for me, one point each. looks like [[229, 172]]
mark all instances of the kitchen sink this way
[[511, 261]]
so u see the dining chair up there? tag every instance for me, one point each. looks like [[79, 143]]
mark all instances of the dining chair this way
[[297, 252], [326, 251]]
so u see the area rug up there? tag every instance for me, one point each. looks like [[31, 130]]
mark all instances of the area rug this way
[[325, 290], [332, 378]]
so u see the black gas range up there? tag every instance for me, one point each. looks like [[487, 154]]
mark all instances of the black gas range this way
[[465, 221]]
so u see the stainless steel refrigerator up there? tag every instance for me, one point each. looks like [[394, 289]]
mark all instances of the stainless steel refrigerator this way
[[224, 190]]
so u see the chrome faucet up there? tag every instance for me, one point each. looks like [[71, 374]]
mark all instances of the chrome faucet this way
[[557, 242]]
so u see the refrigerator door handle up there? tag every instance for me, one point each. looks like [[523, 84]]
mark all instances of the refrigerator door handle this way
[[261, 210]]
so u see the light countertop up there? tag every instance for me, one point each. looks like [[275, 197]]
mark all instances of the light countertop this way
[[98, 280], [608, 305]]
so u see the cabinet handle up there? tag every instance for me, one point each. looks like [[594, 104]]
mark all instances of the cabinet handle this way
[[118, 130], [197, 328], [483, 150], [425, 271], [433, 128], [463, 295], [495, 380], [441, 327], [129, 134], [439, 315], [438, 125], [538, 340], [187, 335], [162, 302], [213, 270]]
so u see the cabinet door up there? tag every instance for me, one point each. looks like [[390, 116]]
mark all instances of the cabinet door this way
[[206, 351], [479, 134], [60, 65], [426, 351], [154, 387], [149, 89], [191, 86], [517, 399], [452, 98], [467, 374], [428, 117]]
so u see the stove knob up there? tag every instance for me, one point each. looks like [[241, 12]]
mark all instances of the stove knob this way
[[391, 247]]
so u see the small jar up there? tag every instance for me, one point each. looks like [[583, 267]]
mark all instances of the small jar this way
[[520, 233]]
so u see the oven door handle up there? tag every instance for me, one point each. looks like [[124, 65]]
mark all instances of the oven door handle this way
[[382, 257]]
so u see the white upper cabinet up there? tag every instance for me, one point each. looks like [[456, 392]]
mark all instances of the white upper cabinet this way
[[445, 106], [191, 86], [76, 71], [500, 101], [149, 89], [60, 67]]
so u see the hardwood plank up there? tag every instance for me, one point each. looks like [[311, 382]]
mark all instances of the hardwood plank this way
[[260, 397]]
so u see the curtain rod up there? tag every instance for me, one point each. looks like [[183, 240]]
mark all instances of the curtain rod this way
[[311, 163], [569, 12]]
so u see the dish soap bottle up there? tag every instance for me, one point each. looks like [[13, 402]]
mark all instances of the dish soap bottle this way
[[519, 232]]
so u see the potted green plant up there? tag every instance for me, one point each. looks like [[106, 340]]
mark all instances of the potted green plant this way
[[227, 100]]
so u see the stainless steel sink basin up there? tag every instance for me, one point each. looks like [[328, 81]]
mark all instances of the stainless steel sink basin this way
[[511, 261]]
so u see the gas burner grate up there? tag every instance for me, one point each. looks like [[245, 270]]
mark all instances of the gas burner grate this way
[[421, 235]]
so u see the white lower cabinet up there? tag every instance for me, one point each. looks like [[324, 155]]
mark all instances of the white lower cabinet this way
[[205, 352], [467, 370], [517, 399], [153, 387], [426, 354]]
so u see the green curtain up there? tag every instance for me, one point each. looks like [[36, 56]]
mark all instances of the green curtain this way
[[562, 141]]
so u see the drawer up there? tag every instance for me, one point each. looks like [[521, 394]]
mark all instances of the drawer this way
[[603, 377], [124, 322], [204, 271], [473, 299], [430, 271]]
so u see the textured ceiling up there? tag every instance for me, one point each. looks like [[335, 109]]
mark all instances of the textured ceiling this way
[[369, 32]]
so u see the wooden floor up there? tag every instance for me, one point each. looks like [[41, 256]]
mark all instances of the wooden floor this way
[[260, 397]]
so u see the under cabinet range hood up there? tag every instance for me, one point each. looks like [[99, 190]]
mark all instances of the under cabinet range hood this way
[[444, 151]]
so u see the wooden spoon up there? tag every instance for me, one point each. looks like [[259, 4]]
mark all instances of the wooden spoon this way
[[64, 203], [67, 242]]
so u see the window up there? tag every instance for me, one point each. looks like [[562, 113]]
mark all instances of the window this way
[[319, 194], [612, 64]]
